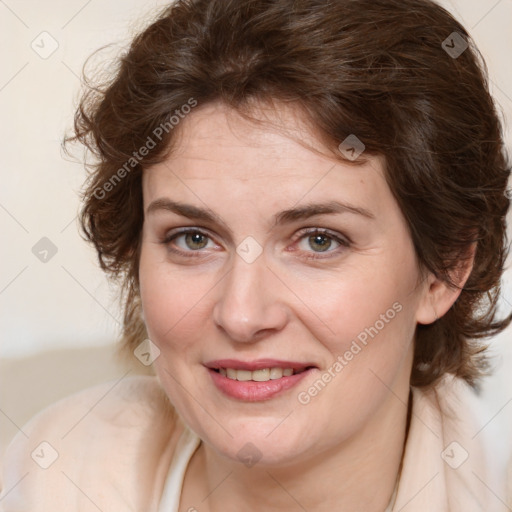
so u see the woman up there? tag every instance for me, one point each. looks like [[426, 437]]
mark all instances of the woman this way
[[305, 204]]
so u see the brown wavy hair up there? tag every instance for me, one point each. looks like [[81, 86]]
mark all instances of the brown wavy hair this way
[[380, 69]]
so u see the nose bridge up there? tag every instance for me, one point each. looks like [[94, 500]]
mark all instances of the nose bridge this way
[[247, 306]]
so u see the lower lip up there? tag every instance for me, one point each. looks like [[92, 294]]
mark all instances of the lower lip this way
[[252, 391]]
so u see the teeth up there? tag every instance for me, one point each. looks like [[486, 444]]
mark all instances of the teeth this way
[[243, 375], [276, 373], [263, 375]]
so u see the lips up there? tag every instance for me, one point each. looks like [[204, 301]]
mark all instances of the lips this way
[[258, 380], [258, 364]]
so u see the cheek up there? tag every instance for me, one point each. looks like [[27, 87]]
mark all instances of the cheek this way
[[370, 338], [359, 303], [173, 301]]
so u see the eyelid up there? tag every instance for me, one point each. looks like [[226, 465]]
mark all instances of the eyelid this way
[[342, 238], [173, 233]]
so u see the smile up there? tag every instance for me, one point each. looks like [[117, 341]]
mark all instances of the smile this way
[[263, 375], [258, 380]]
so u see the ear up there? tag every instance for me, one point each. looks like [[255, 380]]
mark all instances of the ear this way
[[438, 296]]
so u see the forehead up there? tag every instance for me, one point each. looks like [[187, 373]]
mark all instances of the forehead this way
[[220, 155]]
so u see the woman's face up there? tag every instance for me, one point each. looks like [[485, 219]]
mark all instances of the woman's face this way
[[261, 254]]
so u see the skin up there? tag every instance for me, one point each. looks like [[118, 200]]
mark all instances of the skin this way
[[208, 303]]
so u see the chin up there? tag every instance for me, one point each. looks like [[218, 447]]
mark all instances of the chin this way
[[259, 442]]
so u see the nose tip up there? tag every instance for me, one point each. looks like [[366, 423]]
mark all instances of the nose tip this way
[[241, 330], [248, 305]]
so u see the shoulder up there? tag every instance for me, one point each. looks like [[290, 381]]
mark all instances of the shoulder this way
[[124, 406], [451, 431], [91, 448]]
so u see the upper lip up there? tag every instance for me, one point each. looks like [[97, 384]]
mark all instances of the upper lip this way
[[257, 364]]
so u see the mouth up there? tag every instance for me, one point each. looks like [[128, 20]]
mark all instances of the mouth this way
[[263, 375], [257, 380]]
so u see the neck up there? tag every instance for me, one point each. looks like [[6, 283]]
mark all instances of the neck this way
[[359, 474]]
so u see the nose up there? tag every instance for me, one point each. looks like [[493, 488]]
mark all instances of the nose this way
[[249, 305]]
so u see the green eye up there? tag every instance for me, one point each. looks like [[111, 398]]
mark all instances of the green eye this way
[[190, 240], [316, 241], [195, 240], [320, 243]]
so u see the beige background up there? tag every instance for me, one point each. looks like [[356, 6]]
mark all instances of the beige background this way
[[59, 319]]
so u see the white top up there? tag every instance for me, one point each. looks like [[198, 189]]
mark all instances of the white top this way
[[185, 448], [446, 467]]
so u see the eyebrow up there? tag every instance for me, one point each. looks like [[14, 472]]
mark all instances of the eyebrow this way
[[283, 217], [310, 210]]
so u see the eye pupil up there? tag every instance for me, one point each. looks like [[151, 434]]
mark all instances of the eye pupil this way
[[196, 240], [320, 242]]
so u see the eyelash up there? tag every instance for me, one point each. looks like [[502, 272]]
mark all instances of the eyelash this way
[[344, 242]]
